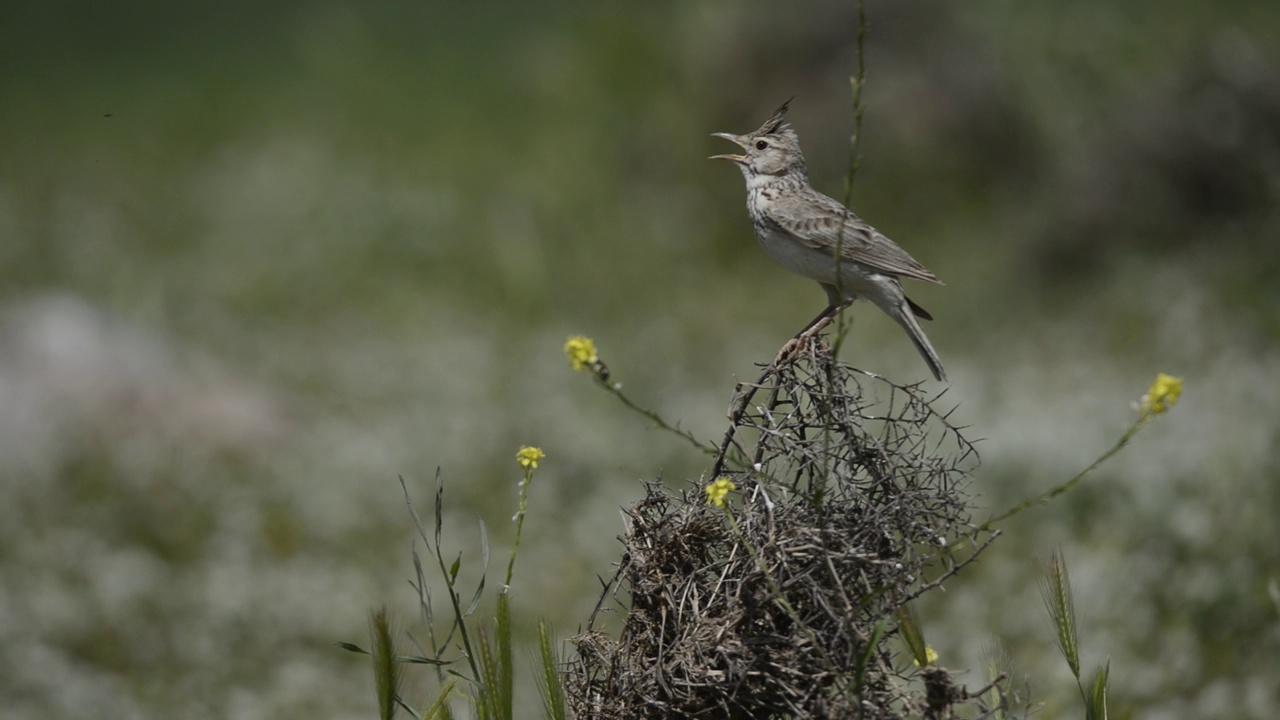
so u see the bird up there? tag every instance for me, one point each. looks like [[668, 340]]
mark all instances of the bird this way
[[816, 237]]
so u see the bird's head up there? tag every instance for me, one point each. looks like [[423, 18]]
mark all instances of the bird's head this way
[[774, 149]]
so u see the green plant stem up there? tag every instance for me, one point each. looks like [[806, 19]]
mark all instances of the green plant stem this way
[[1068, 485], [855, 161], [855, 141], [459, 616], [615, 390], [515, 548]]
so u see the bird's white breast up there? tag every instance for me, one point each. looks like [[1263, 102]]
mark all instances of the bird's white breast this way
[[800, 258]]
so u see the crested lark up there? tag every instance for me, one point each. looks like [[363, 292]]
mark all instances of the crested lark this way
[[816, 237]]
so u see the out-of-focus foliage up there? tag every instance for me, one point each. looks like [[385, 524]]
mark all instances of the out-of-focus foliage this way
[[258, 260]]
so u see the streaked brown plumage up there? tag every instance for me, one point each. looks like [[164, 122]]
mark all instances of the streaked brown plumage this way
[[802, 230]]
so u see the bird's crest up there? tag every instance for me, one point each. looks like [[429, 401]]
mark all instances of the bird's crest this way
[[774, 124]]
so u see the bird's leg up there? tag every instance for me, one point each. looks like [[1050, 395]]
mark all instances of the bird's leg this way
[[815, 326]]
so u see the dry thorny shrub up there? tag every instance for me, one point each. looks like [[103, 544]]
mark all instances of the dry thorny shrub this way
[[852, 503]]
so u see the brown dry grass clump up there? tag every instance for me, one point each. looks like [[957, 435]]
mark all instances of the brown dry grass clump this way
[[851, 502]]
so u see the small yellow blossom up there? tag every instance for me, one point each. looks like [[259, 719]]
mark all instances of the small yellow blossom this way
[[528, 457], [930, 657], [719, 490], [582, 352], [1164, 394]]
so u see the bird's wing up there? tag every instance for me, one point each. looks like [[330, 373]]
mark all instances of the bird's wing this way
[[825, 222]]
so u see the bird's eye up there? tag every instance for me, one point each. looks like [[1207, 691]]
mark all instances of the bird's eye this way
[[761, 145]]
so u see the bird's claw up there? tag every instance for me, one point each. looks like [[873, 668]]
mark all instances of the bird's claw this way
[[805, 341]]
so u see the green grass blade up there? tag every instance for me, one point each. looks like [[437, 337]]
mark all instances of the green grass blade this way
[[484, 570], [1096, 708], [386, 668], [549, 678], [440, 709], [996, 667], [506, 679], [913, 634]]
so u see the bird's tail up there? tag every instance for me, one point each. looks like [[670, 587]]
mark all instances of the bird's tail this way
[[907, 319], [917, 310]]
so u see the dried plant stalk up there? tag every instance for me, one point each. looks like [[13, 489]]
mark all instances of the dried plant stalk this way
[[852, 503]]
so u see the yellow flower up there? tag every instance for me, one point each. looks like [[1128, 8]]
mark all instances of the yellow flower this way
[[1164, 394], [528, 457], [930, 657], [719, 490], [581, 352]]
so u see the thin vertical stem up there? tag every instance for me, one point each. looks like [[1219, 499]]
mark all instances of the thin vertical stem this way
[[843, 325]]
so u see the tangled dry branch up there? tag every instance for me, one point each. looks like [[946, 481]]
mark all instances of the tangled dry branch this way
[[852, 503]]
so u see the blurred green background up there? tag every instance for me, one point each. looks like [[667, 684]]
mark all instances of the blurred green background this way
[[258, 260]]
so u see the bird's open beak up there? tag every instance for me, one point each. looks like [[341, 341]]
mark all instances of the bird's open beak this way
[[734, 139]]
